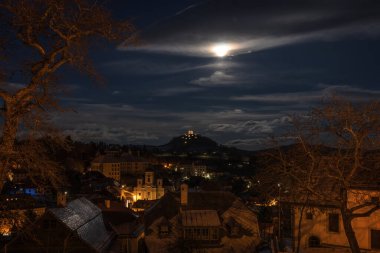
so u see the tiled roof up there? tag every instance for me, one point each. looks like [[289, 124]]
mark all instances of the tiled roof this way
[[123, 222], [200, 218], [84, 218], [167, 206]]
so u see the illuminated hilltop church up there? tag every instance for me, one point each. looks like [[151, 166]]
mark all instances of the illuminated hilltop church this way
[[189, 136]]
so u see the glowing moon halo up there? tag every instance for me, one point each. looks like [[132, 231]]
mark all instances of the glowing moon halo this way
[[221, 50]]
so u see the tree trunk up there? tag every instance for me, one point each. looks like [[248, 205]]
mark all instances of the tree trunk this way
[[346, 218], [299, 234], [350, 233], [7, 142]]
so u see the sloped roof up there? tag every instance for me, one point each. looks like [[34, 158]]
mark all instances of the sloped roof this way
[[200, 218], [84, 218], [238, 213], [167, 206]]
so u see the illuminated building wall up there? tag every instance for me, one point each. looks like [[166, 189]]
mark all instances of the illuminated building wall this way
[[150, 189]]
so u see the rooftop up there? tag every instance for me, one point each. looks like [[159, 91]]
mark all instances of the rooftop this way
[[200, 218], [86, 220]]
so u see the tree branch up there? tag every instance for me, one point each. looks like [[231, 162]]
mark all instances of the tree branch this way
[[365, 214], [361, 206], [4, 95]]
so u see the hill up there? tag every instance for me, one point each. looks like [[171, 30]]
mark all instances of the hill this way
[[190, 142]]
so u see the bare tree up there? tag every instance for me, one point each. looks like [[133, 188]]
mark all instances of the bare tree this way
[[40, 37], [335, 152]]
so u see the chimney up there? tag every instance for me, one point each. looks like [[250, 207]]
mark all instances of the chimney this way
[[61, 198], [107, 203], [184, 194]]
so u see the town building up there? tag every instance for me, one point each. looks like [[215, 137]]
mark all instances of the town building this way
[[133, 165], [126, 224], [322, 227], [118, 166], [194, 170], [200, 221], [17, 211], [108, 165], [149, 188]]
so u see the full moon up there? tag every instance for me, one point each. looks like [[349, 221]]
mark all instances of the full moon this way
[[221, 50]]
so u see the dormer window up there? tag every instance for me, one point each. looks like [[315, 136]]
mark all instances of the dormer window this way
[[164, 228], [233, 228]]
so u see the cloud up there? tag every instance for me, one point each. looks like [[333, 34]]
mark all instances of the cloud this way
[[249, 26], [218, 78], [103, 132], [296, 97], [251, 126], [259, 142], [309, 97], [158, 66], [177, 91]]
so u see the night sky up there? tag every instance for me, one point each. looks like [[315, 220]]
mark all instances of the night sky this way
[[283, 58]]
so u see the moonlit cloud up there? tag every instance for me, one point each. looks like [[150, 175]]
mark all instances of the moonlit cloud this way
[[311, 96], [250, 26], [218, 78], [251, 126], [163, 66]]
